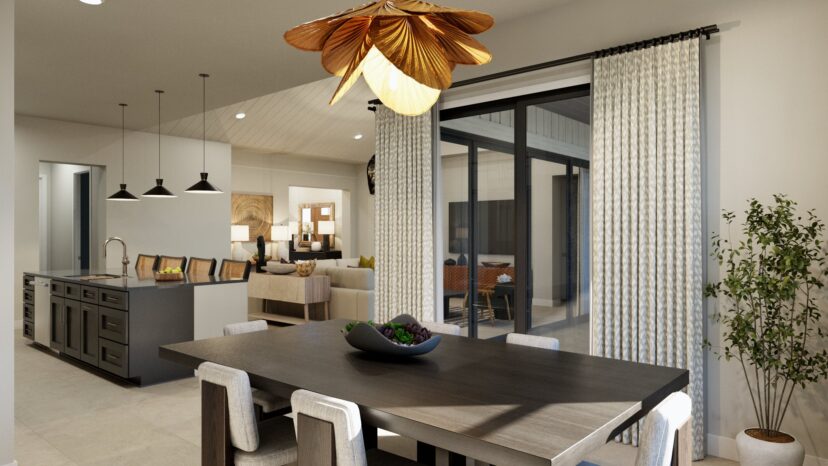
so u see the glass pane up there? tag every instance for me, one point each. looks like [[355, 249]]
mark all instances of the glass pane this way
[[558, 140], [455, 176]]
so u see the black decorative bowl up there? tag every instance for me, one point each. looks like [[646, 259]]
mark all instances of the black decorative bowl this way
[[367, 338]]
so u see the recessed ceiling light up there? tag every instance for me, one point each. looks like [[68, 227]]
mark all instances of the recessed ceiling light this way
[[358, 136], [240, 115], [92, 2]]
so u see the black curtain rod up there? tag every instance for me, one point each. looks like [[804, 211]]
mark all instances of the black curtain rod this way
[[705, 31]]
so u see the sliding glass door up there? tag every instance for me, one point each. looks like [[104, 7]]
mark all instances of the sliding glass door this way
[[515, 197]]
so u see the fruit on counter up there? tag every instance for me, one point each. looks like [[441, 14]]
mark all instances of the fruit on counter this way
[[170, 270]]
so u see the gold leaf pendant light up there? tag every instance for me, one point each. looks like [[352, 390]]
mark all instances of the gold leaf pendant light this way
[[405, 49]]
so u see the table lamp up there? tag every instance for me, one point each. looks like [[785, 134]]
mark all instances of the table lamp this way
[[326, 228], [280, 234], [239, 234]]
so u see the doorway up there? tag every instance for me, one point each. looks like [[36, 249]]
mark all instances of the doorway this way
[[516, 214]]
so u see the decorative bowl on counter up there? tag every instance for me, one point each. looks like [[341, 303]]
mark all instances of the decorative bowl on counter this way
[[495, 264], [169, 276], [305, 268], [280, 269], [402, 336]]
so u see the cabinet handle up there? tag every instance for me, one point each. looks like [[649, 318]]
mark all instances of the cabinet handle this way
[[111, 325], [110, 299]]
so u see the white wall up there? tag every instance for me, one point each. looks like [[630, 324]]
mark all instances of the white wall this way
[[8, 301], [275, 174], [764, 80], [190, 225]]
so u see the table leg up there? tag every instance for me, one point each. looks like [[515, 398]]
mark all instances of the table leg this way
[[307, 313], [508, 307], [432, 456], [216, 447], [264, 305], [683, 445], [315, 441], [327, 310], [369, 437]]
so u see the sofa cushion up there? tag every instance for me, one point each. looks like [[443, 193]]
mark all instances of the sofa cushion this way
[[352, 262], [365, 262], [357, 279]]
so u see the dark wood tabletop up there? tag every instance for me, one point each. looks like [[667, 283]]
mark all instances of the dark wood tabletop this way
[[497, 403]]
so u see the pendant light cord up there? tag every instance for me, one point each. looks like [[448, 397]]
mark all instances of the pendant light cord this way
[[204, 77], [159, 132], [123, 143]]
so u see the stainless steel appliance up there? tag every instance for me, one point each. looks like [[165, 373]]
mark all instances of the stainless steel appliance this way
[[43, 318]]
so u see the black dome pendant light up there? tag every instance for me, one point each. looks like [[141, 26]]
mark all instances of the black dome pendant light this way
[[123, 194], [204, 186], [159, 190]]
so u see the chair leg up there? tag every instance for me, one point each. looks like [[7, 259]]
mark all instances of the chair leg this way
[[508, 307], [490, 308]]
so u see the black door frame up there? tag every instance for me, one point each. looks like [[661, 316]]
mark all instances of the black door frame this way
[[523, 156]]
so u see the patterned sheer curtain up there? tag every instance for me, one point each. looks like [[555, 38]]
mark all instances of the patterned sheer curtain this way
[[403, 241], [647, 231]]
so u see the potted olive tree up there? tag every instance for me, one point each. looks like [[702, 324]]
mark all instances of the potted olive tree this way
[[770, 318]]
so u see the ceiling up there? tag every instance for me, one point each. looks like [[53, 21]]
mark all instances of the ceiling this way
[[579, 108], [76, 62], [295, 121]]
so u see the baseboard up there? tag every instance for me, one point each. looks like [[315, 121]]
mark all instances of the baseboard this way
[[725, 447]]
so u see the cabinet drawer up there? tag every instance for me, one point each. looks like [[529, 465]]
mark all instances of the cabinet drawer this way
[[28, 296], [28, 312], [72, 291], [28, 330], [58, 288], [113, 357], [28, 282], [89, 294], [113, 325], [113, 299]]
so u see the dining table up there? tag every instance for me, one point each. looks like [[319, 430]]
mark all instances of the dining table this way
[[486, 400]]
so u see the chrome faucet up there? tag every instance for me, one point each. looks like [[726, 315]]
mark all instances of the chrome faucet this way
[[125, 259]]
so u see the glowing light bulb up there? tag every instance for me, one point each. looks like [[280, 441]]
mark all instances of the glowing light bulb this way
[[394, 88]]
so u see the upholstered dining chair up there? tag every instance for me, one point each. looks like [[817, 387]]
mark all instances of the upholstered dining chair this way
[[171, 261], [234, 269], [445, 329], [198, 266], [661, 427], [272, 442], [265, 401], [145, 264], [349, 447], [534, 341]]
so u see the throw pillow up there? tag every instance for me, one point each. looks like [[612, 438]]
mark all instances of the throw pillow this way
[[366, 263]]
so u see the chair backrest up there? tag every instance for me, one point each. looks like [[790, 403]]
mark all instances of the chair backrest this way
[[244, 432], [235, 269], [171, 261], [146, 264], [245, 327], [347, 425], [660, 427], [445, 329], [198, 266], [534, 341]]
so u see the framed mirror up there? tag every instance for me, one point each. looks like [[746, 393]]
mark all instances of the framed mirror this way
[[309, 217]]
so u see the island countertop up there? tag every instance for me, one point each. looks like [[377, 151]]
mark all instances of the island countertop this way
[[133, 281]]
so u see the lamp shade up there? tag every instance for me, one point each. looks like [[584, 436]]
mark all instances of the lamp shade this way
[[326, 227], [279, 233], [240, 233]]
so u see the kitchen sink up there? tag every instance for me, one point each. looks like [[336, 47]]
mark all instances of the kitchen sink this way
[[100, 276]]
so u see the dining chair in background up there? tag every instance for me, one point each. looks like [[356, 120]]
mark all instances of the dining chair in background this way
[[198, 266], [171, 261], [271, 442], [445, 329], [145, 264], [349, 446], [265, 401], [534, 341], [234, 269]]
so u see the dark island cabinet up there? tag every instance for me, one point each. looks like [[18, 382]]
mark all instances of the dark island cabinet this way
[[57, 331], [89, 334], [119, 331]]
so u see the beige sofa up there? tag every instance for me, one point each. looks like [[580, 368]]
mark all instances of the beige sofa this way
[[352, 289]]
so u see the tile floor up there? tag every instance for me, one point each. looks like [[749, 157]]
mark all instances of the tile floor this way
[[65, 415]]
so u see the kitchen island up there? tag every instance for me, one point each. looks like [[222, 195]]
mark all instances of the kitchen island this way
[[116, 324]]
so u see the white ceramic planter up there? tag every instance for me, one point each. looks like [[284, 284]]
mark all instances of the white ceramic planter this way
[[755, 452]]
